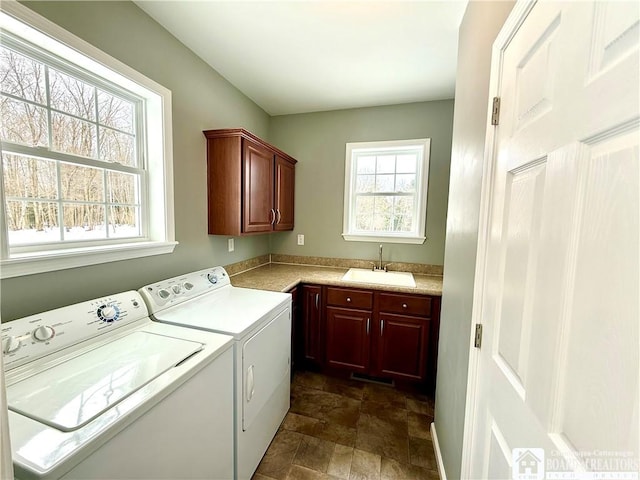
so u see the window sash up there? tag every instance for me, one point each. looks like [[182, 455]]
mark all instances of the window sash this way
[[139, 171], [357, 154], [417, 195]]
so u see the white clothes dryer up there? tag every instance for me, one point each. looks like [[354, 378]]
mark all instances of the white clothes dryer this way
[[98, 390], [260, 323]]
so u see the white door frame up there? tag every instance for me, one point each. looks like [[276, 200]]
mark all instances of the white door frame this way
[[509, 29]]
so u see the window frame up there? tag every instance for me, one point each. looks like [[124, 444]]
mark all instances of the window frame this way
[[154, 152], [417, 235]]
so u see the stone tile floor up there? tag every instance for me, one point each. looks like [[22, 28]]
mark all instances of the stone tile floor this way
[[351, 430]]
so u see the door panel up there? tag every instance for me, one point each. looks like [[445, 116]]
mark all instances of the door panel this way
[[265, 362], [285, 193], [312, 305], [607, 247], [559, 279], [402, 346], [257, 166], [348, 339], [521, 218]]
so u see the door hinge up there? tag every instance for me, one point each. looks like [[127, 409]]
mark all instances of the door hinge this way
[[478, 337], [495, 111]]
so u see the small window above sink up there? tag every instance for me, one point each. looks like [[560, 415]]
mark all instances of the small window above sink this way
[[380, 277]]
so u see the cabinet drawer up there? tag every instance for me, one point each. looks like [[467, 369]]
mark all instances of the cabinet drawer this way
[[406, 304], [345, 297]]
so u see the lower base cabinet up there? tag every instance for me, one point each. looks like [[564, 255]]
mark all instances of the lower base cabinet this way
[[402, 347], [376, 333], [310, 326], [347, 333]]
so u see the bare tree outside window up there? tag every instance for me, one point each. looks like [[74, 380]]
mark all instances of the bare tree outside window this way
[[70, 162]]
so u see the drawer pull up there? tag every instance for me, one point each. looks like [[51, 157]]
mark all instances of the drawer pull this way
[[404, 305], [348, 299]]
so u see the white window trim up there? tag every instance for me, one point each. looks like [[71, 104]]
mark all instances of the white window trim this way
[[349, 185], [161, 231]]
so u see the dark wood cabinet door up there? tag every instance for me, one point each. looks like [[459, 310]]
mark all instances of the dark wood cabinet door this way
[[311, 308], [347, 339], [284, 193], [258, 214], [296, 329], [402, 346]]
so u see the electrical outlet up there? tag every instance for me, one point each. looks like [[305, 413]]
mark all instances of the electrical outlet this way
[[300, 239], [231, 245]]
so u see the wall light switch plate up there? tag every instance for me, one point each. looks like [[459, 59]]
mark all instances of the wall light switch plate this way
[[300, 239], [231, 245]]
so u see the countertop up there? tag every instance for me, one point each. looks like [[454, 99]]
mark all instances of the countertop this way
[[283, 277]]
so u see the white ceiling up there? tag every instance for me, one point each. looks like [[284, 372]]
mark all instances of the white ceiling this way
[[307, 56]]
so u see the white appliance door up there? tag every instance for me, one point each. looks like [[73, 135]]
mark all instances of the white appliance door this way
[[265, 361], [557, 378]]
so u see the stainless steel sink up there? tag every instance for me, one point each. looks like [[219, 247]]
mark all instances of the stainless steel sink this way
[[379, 277]]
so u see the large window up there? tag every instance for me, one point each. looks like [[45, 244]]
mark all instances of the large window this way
[[84, 153], [386, 191]]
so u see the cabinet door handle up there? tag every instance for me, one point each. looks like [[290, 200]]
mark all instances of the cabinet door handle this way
[[368, 322], [381, 327], [279, 215], [272, 216], [317, 300]]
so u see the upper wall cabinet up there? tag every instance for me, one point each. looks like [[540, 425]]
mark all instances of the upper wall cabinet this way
[[250, 184]]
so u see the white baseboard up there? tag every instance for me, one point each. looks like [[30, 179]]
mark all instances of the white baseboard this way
[[436, 446]]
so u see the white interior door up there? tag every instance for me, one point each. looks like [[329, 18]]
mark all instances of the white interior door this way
[[558, 281]]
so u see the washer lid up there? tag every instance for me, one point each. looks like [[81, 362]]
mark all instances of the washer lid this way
[[72, 394]]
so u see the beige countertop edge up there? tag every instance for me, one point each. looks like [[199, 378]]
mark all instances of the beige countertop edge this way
[[284, 277]]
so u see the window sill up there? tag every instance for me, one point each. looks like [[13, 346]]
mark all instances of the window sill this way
[[28, 264], [351, 237]]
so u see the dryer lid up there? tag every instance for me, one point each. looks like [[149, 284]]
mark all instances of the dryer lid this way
[[229, 310], [72, 394]]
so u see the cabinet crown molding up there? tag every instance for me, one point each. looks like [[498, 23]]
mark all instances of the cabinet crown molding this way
[[242, 133]]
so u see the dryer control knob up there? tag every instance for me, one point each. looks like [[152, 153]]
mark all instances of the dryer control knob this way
[[164, 294], [188, 285], [10, 344], [176, 289], [212, 277], [43, 333]]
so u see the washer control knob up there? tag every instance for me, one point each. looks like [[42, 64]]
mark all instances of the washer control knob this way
[[176, 289], [108, 313], [188, 286], [43, 333], [212, 277], [10, 344], [164, 294]]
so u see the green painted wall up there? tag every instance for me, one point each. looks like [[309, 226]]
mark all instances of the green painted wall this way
[[202, 99], [480, 25], [318, 141]]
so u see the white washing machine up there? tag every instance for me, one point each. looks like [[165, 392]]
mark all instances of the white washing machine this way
[[98, 390], [260, 323]]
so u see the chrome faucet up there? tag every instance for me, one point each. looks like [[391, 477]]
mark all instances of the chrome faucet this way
[[379, 267]]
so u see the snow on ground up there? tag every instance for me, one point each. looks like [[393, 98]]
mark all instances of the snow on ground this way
[[48, 235]]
